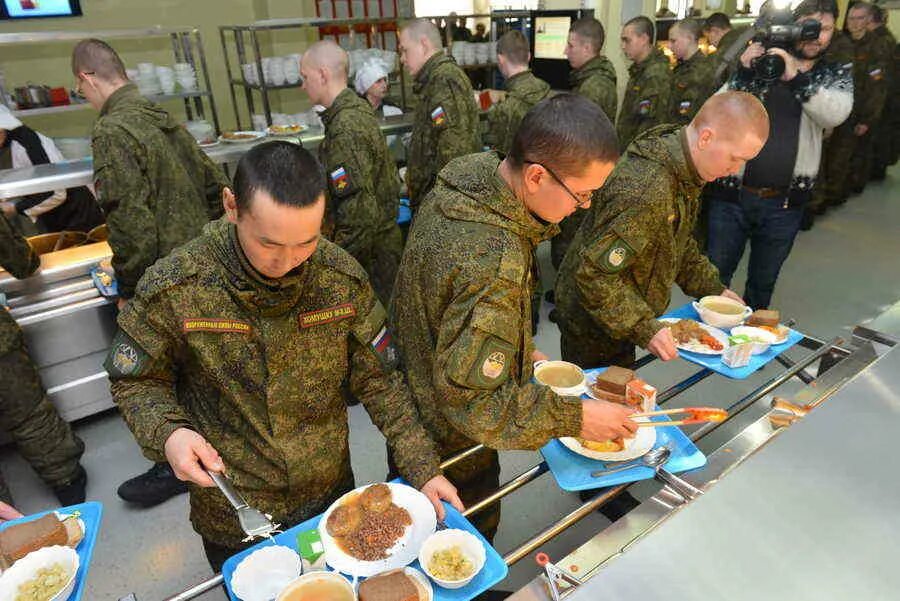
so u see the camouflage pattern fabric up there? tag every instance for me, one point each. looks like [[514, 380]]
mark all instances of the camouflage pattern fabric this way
[[646, 102], [363, 189], [462, 313], [156, 187], [692, 84], [445, 124], [718, 57], [523, 91], [881, 140], [40, 434], [596, 81], [256, 366], [635, 242]]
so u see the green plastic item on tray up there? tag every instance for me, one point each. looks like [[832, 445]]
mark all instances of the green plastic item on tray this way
[[310, 546]]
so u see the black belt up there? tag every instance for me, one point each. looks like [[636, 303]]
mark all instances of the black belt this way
[[766, 192]]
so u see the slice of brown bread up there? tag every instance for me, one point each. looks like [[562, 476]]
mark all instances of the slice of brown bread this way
[[614, 380], [764, 317], [18, 541], [390, 586]]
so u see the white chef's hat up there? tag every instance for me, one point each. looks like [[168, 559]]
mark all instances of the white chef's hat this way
[[368, 74], [7, 121]]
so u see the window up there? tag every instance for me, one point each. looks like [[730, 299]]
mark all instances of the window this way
[[436, 8]]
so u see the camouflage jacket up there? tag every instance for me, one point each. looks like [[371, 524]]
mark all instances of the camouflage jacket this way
[[873, 60], [636, 241], [462, 310], [596, 81], [692, 84], [523, 91], [19, 259], [155, 185], [646, 102], [363, 185], [257, 367], [445, 124], [719, 57]]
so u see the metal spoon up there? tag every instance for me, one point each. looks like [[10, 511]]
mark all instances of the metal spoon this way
[[681, 486], [649, 459]]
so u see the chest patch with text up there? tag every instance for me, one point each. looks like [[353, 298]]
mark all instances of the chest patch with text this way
[[328, 315], [209, 324]]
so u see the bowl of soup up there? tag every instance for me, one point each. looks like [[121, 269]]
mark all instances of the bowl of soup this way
[[318, 586], [721, 311], [563, 377]]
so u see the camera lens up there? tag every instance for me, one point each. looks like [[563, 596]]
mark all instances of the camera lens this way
[[769, 67]]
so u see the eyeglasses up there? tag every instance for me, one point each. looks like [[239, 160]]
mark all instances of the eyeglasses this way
[[581, 199], [78, 82]]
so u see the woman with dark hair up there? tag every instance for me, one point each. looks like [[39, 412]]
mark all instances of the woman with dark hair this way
[[72, 209]]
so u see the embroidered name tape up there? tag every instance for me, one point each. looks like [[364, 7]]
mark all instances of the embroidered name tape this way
[[208, 324], [323, 316]]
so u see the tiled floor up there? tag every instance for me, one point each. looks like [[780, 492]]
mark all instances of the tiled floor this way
[[843, 272]]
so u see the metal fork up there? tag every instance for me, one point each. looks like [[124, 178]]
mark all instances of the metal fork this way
[[254, 523]]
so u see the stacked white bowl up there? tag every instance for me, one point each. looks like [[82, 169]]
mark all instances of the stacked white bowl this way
[[482, 53], [259, 122], [460, 52], [166, 77], [186, 77], [251, 73], [292, 68], [147, 81]]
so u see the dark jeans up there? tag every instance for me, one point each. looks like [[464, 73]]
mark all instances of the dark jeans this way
[[769, 224]]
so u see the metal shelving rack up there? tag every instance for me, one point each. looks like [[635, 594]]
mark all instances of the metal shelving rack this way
[[380, 31], [187, 47]]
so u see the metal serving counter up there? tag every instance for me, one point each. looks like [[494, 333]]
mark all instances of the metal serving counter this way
[[812, 515], [44, 178]]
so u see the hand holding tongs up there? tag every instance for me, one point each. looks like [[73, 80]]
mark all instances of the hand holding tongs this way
[[695, 415], [254, 523]]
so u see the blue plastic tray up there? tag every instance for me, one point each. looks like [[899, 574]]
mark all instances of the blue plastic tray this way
[[714, 362], [404, 214], [495, 569], [91, 514], [573, 471]]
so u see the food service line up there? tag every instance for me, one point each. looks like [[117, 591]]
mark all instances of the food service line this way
[[820, 349]]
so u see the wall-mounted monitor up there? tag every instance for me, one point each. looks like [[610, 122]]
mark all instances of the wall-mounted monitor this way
[[34, 9], [550, 34]]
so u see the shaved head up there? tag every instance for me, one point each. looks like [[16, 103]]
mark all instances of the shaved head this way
[[735, 113], [327, 55], [729, 130], [423, 28]]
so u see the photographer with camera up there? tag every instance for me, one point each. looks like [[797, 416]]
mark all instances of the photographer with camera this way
[[804, 94]]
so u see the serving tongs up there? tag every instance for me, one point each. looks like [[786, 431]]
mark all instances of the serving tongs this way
[[559, 582], [694, 415], [254, 522]]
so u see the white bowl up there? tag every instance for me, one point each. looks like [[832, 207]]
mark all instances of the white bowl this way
[[263, 574], [467, 542], [722, 320], [767, 337], [26, 568], [576, 390], [317, 576]]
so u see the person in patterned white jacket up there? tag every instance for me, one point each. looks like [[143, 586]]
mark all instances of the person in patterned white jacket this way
[[764, 203]]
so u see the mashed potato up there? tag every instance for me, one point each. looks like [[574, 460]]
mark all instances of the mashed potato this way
[[450, 564]]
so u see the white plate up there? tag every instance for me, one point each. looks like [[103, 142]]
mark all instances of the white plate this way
[[208, 144], [642, 442], [272, 131], [404, 551], [701, 349], [257, 135]]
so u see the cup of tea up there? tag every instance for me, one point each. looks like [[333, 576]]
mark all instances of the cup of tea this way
[[566, 379]]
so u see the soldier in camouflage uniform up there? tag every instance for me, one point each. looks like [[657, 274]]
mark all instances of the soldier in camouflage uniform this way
[[849, 141], [523, 91], [881, 155], [445, 124], [156, 188], [646, 102], [873, 65], [234, 349], [593, 77], [638, 237], [461, 303], [363, 184], [720, 34], [44, 439], [693, 75]]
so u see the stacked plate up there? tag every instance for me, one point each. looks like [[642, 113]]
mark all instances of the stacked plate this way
[[460, 52], [251, 73], [292, 68], [166, 77], [482, 53], [186, 77], [147, 80]]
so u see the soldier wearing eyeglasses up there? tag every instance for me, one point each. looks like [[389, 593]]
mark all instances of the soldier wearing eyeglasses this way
[[462, 299]]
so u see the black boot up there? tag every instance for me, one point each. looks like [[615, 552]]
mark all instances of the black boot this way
[[806, 222], [72, 493], [153, 486]]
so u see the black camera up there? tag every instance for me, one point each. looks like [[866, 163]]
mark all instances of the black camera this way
[[776, 29]]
